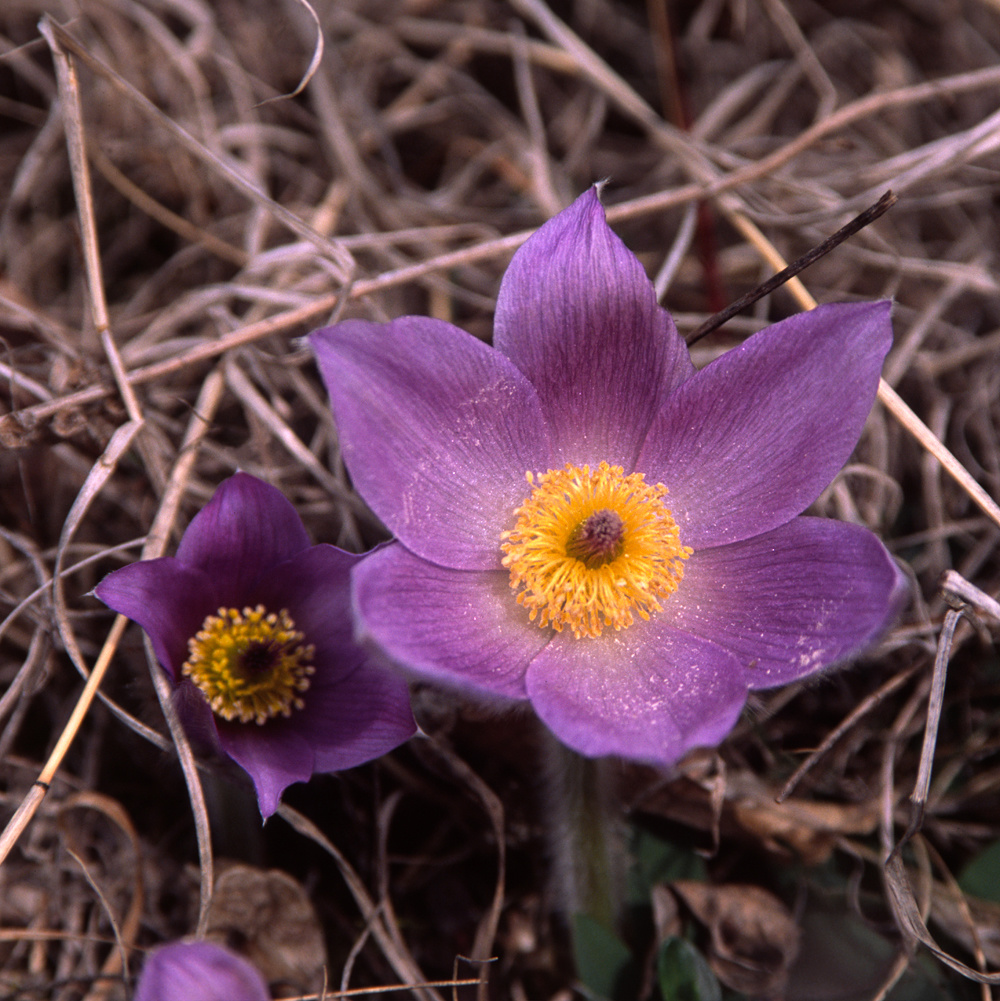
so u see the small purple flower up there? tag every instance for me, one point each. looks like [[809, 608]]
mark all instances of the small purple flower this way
[[586, 522], [199, 971], [253, 625]]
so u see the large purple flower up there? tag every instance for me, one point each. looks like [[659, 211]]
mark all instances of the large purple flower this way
[[586, 522], [199, 971], [253, 625]]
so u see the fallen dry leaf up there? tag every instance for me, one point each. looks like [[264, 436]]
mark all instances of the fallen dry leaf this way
[[266, 915], [754, 939]]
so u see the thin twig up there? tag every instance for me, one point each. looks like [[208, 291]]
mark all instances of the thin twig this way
[[337, 255], [30, 804], [857, 224]]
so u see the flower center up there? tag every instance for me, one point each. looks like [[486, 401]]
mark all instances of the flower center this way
[[592, 549], [251, 665]]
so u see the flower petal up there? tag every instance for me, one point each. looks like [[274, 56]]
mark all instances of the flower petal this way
[[245, 529], [273, 756], [199, 971], [353, 710], [315, 587], [751, 440], [355, 720], [197, 718], [578, 316], [793, 601], [167, 599], [459, 627], [437, 430], [649, 692]]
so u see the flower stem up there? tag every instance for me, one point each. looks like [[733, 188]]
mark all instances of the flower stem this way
[[586, 835]]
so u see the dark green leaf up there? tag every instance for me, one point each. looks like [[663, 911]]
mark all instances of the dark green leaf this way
[[603, 962], [981, 877], [684, 974], [656, 861]]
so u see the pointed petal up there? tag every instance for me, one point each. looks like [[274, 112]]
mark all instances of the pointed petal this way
[[315, 587], [245, 529], [358, 719], [353, 712], [792, 602], [752, 439], [197, 718], [649, 692], [578, 316], [437, 430], [199, 971], [273, 756], [459, 627], [167, 599]]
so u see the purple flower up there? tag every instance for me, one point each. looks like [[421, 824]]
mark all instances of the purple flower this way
[[199, 971], [586, 522], [253, 625]]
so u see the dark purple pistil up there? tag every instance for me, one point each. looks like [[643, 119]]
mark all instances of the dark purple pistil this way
[[258, 658], [598, 539]]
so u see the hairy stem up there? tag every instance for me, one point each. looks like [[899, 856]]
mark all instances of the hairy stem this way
[[585, 833]]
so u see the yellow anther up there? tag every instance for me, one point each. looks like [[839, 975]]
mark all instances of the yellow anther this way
[[592, 549], [250, 665]]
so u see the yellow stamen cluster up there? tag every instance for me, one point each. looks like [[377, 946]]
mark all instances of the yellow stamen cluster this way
[[593, 548], [251, 665]]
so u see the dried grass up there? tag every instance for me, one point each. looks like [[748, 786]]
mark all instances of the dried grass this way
[[177, 217]]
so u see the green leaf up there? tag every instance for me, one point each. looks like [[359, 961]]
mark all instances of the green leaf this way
[[981, 877], [656, 861], [684, 974], [925, 981], [604, 963]]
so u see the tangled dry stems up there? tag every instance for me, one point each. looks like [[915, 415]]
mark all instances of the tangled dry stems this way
[[150, 322]]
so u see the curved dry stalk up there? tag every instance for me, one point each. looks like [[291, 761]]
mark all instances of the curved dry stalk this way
[[886, 394], [859, 712], [911, 918], [913, 923], [317, 55], [120, 442], [493, 806], [76, 145], [30, 804], [162, 214], [385, 909], [400, 960], [204, 411], [126, 932], [330, 248]]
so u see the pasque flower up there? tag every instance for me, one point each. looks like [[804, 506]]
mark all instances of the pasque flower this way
[[199, 971], [586, 522], [253, 625]]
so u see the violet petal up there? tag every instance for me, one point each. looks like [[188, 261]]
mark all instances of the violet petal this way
[[245, 529], [273, 756], [169, 600], [751, 440], [649, 692], [577, 314], [199, 971], [459, 627], [437, 430], [353, 711], [793, 601], [356, 720], [315, 588], [196, 717]]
